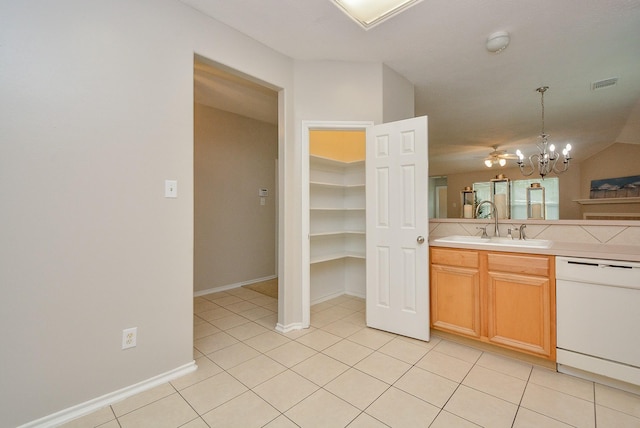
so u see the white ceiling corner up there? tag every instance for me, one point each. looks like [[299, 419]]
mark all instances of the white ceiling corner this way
[[475, 99]]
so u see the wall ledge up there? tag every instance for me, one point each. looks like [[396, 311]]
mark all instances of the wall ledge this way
[[607, 201]]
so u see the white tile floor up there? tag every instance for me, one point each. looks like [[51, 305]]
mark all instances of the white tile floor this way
[[340, 373]]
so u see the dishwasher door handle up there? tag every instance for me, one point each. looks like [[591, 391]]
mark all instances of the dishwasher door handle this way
[[616, 266], [600, 265]]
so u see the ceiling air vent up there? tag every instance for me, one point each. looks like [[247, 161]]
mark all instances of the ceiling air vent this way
[[601, 84]]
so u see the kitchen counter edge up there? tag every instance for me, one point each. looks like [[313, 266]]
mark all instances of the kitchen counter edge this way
[[629, 253]]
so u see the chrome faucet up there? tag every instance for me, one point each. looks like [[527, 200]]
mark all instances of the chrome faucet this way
[[484, 231], [522, 232], [494, 214]]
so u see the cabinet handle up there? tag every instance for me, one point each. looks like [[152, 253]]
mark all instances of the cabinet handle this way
[[420, 239]]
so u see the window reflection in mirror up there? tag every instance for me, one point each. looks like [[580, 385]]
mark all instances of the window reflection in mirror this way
[[438, 197], [519, 197]]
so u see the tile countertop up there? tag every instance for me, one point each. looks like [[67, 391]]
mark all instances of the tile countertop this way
[[570, 249]]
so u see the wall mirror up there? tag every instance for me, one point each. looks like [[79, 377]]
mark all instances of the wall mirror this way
[[567, 196]]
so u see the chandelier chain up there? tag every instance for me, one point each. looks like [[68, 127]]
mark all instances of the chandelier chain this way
[[542, 90]]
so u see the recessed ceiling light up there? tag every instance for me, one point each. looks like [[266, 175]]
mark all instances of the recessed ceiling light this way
[[369, 13]]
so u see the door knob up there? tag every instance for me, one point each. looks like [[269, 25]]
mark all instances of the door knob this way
[[420, 239]]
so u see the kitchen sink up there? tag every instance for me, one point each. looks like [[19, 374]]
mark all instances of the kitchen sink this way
[[496, 241]]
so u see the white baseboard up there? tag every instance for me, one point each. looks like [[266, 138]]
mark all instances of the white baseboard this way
[[337, 294], [327, 297], [232, 286], [355, 294], [289, 327], [90, 406]]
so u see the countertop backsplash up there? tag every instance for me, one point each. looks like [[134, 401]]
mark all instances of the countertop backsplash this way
[[612, 240]]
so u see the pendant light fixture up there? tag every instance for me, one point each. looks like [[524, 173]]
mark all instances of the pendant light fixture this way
[[546, 160]]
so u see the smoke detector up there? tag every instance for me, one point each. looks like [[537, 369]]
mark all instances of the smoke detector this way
[[498, 41]]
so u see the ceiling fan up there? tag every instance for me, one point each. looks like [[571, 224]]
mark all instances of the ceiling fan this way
[[499, 157]]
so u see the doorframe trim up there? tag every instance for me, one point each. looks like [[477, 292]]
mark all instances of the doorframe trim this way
[[307, 126]]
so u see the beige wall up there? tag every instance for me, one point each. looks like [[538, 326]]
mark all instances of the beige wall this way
[[234, 235], [617, 160], [398, 98], [96, 103], [345, 145], [96, 112]]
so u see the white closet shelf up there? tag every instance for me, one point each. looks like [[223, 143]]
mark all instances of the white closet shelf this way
[[337, 225], [338, 232], [320, 160], [334, 185], [337, 256], [335, 209]]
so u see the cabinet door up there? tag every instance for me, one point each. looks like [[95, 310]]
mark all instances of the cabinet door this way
[[519, 312], [455, 299]]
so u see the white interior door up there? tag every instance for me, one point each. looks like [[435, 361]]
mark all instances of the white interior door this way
[[397, 228]]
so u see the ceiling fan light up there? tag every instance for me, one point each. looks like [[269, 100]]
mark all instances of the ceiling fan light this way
[[488, 163], [502, 162]]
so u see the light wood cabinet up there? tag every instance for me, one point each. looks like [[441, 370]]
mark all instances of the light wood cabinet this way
[[455, 291], [506, 299]]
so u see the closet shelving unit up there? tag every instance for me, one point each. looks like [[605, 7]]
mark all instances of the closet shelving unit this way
[[336, 226]]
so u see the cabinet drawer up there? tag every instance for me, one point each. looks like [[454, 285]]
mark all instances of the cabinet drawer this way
[[450, 257], [515, 263]]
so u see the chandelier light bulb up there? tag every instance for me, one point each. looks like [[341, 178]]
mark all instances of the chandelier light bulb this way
[[552, 148], [568, 147]]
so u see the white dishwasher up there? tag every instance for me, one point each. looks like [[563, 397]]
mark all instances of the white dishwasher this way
[[598, 317]]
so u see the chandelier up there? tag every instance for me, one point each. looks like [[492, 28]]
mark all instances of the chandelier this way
[[546, 161]]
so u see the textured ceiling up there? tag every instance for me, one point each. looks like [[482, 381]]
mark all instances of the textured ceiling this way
[[476, 99]]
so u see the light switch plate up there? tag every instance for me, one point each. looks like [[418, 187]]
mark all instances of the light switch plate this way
[[170, 189]]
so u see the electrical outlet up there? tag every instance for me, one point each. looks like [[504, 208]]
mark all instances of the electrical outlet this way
[[129, 337]]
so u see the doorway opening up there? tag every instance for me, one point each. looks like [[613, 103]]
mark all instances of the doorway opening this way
[[235, 180], [333, 215], [394, 200]]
